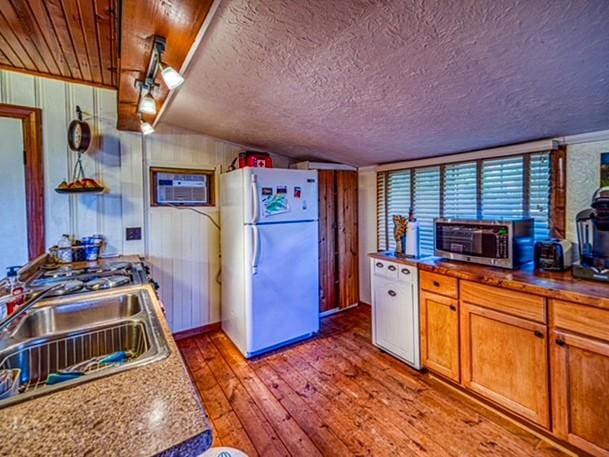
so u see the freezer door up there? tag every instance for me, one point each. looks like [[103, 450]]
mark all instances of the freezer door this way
[[279, 195], [283, 288]]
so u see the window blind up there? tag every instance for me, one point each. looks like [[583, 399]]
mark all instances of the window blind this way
[[507, 187], [540, 173], [460, 190], [381, 211], [426, 205], [398, 199], [502, 183]]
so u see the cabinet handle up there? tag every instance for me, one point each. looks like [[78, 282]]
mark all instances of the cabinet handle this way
[[391, 268], [453, 308], [379, 265], [538, 334], [405, 271], [436, 284], [391, 293], [560, 342]]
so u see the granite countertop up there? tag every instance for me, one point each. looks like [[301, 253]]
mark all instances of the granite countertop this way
[[147, 410], [558, 285]]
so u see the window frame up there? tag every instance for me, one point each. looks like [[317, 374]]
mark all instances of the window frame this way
[[556, 193]]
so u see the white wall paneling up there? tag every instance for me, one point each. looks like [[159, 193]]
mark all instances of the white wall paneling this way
[[183, 246], [583, 178], [367, 228]]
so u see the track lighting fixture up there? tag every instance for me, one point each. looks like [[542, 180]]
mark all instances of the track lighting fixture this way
[[146, 128], [147, 102], [170, 76]]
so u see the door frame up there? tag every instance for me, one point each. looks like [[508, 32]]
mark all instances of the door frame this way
[[31, 126]]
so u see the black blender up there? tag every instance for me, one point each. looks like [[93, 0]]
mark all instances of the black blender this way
[[593, 237]]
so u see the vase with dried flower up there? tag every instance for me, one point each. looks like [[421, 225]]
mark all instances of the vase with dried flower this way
[[400, 225]]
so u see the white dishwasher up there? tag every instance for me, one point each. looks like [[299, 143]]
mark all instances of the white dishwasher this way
[[395, 310]]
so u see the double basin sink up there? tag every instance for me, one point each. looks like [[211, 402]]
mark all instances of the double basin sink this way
[[57, 335]]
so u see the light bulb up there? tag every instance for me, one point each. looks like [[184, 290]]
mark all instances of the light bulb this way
[[146, 128], [171, 77], [147, 104]]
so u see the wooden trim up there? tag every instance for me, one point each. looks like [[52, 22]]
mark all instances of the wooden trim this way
[[31, 121], [211, 175], [558, 193], [208, 328]]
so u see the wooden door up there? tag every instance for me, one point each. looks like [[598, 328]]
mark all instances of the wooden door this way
[[347, 238], [328, 289], [505, 359], [440, 334], [580, 391]]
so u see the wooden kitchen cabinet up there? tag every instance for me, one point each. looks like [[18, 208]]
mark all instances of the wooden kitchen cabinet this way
[[440, 334], [580, 388], [579, 349], [338, 240], [505, 359]]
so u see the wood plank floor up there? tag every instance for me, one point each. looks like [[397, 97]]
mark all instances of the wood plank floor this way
[[337, 395]]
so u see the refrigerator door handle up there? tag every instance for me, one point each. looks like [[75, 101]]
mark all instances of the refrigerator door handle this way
[[256, 249], [255, 208]]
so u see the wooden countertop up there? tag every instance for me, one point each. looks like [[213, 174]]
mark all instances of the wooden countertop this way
[[558, 285]]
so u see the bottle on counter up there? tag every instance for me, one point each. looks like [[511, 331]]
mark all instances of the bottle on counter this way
[[16, 292], [64, 249], [412, 236]]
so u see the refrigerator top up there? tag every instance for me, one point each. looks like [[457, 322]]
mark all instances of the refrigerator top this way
[[278, 195]]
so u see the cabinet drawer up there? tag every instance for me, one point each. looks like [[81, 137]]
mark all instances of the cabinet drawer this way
[[518, 304], [385, 269], [439, 284], [407, 274], [581, 319]]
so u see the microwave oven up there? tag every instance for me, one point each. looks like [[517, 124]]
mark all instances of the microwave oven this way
[[506, 243]]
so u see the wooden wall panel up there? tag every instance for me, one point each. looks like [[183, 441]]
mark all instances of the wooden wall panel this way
[[328, 298], [75, 40], [348, 276]]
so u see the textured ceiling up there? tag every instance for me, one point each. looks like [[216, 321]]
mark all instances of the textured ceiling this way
[[365, 82]]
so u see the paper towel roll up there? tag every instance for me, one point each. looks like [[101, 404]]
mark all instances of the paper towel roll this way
[[412, 239]]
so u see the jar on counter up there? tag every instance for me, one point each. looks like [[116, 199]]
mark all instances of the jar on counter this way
[[64, 249]]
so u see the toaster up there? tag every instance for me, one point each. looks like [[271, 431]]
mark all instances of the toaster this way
[[553, 255]]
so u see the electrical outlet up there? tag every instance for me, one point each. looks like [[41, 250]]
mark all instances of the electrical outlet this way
[[133, 233]]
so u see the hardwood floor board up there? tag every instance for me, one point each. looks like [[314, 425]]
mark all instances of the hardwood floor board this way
[[347, 395], [440, 404], [290, 433], [460, 434], [347, 424], [338, 395], [257, 427], [340, 375], [309, 420]]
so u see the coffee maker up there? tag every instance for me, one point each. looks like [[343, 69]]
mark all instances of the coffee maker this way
[[593, 238]]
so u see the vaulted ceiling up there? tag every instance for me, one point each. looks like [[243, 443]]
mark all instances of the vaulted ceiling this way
[[74, 40], [372, 81]]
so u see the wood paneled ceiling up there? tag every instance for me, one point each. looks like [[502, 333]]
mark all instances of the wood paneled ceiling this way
[[178, 22], [75, 40]]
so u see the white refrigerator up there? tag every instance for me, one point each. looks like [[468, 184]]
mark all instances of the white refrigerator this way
[[270, 268]]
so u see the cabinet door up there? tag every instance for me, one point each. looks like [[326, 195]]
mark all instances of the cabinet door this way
[[440, 334], [505, 359], [328, 297], [394, 318], [347, 238], [580, 388]]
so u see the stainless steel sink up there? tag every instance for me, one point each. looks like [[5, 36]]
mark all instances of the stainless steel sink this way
[[58, 334], [51, 319]]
